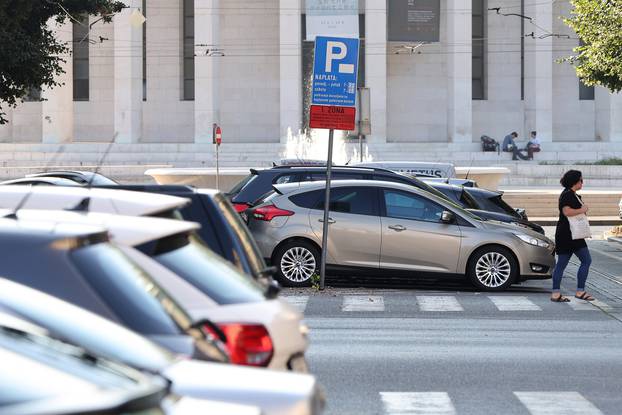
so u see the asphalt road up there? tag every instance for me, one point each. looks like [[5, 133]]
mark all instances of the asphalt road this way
[[424, 350]]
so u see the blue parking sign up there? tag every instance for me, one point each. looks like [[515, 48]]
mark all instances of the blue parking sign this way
[[335, 69]]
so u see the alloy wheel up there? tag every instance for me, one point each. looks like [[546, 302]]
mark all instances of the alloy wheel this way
[[493, 269], [298, 264]]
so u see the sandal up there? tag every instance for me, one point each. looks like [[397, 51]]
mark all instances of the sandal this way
[[585, 296], [560, 299]]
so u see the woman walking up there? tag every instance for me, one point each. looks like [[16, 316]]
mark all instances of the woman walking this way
[[570, 204]]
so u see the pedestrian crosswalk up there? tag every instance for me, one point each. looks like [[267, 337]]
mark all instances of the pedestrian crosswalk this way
[[441, 403], [442, 303]]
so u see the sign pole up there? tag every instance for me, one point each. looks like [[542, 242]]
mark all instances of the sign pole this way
[[217, 169], [326, 219]]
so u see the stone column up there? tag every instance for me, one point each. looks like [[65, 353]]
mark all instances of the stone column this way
[[459, 69], [290, 48], [376, 67], [608, 115], [128, 79], [206, 68], [57, 109], [539, 72]]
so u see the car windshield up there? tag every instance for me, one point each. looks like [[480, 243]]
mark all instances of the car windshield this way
[[130, 291], [240, 185], [188, 257], [424, 186], [492, 203]]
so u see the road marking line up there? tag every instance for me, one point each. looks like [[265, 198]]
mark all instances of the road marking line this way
[[557, 403], [299, 302], [438, 303], [417, 403], [513, 303], [362, 303]]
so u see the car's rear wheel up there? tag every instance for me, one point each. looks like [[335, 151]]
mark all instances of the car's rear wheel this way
[[492, 268], [296, 261]]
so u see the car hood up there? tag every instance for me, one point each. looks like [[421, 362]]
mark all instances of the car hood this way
[[509, 228], [276, 393], [504, 217]]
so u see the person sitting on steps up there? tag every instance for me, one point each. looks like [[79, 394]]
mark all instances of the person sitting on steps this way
[[533, 146], [509, 145]]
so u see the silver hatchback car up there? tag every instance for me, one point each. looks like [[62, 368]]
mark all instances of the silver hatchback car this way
[[392, 229]]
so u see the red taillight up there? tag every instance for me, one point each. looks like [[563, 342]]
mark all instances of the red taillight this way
[[240, 207], [270, 212], [248, 344]]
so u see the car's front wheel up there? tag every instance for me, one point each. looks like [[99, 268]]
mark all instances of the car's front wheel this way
[[296, 261], [492, 269]]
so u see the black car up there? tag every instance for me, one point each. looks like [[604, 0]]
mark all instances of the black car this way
[[487, 204], [221, 228], [80, 266], [41, 374], [80, 177], [483, 203], [259, 182]]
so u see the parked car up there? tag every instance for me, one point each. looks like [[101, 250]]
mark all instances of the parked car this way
[[390, 228], [81, 199], [487, 204], [78, 176], [221, 228], [274, 392], [82, 267], [259, 331], [44, 375], [259, 182], [483, 203]]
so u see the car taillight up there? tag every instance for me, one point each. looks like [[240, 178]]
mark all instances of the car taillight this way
[[248, 344], [270, 212], [240, 207]]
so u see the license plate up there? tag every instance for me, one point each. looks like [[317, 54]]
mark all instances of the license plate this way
[[299, 364]]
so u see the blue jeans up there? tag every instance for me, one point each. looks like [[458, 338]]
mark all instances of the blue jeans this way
[[562, 262]]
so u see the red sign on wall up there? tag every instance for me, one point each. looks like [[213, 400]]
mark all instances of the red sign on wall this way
[[332, 118]]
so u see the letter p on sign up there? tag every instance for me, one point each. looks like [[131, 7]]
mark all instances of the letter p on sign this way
[[337, 51]]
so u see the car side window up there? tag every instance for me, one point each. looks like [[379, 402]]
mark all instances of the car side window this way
[[353, 200], [402, 205], [286, 178], [307, 200]]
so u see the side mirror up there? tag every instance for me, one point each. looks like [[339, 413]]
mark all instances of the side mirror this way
[[273, 289], [447, 217]]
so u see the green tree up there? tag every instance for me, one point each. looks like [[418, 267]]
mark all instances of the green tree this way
[[598, 60], [30, 55]]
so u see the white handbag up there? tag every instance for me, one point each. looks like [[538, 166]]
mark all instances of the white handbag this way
[[579, 225]]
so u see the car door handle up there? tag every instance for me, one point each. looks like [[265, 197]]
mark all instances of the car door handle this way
[[397, 228], [330, 220]]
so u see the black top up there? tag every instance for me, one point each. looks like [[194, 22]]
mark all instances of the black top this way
[[564, 244]]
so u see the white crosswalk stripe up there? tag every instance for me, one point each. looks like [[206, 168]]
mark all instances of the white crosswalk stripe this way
[[417, 403], [513, 303], [362, 303], [438, 303], [299, 302], [557, 403]]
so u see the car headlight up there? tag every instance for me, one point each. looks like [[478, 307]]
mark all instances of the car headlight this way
[[532, 240]]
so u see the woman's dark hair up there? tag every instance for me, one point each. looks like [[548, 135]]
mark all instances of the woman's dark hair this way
[[570, 178]]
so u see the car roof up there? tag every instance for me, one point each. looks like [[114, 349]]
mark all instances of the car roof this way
[[81, 174], [72, 235], [50, 180], [81, 327], [101, 200], [324, 168], [126, 230]]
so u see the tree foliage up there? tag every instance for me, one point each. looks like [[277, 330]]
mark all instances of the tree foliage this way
[[598, 60], [30, 55]]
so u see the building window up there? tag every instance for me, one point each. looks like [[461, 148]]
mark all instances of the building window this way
[[307, 65], [188, 51], [144, 11], [81, 59], [586, 93], [479, 49]]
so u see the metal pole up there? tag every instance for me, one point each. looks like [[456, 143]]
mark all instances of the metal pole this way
[[325, 223], [360, 144], [217, 170]]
